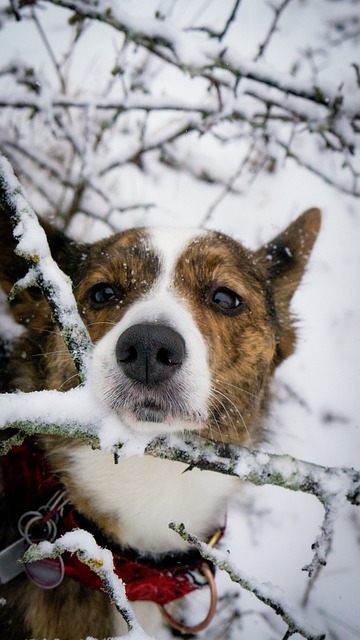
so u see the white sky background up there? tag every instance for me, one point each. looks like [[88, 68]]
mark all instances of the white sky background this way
[[316, 414]]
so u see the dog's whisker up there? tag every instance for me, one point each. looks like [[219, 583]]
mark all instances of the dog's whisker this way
[[237, 411], [63, 352], [52, 332], [100, 322], [73, 377], [223, 381], [218, 427], [231, 421]]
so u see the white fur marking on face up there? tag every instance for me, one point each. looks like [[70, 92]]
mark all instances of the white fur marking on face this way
[[169, 244], [190, 386], [144, 494]]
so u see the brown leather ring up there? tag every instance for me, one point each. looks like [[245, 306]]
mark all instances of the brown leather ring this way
[[206, 571]]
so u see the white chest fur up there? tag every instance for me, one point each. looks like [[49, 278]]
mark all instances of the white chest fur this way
[[144, 494]]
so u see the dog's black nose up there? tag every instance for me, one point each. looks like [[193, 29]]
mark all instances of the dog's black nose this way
[[150, 353]]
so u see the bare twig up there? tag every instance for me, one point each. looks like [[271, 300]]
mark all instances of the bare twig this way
[[273, 27], [165, 43], [230, 19], [353, 190], [326, 113], [48, 48], [229, 186]]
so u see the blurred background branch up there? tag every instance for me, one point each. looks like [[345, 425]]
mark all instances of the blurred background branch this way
[[60, 135]]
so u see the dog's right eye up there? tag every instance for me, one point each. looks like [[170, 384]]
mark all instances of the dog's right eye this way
[[102, 294], [227, 301]]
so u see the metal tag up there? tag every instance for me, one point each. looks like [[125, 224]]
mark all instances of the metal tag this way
[[47, 573], [9, 557]]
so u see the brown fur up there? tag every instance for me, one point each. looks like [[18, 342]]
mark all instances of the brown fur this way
[[243, 352]]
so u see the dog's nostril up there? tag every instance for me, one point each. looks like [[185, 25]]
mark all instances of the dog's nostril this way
[[168, 358], [150, 353], [126, 355]]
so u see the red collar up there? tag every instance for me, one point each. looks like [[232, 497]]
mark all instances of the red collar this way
[[30, 483]]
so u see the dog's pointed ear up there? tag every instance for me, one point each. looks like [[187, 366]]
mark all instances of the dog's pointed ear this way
[[284, 260]]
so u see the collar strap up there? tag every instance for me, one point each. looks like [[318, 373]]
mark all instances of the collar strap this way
[[156, 578], [30, 483]]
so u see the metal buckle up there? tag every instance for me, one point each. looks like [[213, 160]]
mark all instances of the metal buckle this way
[[183, 628]]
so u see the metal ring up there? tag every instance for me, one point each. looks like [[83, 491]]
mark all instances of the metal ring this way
[[36, 515], [183, 628], [36, 518]]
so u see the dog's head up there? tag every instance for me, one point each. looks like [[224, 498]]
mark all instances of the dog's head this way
[[188, 325]]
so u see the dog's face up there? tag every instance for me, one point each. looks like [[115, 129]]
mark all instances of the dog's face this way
[[188, 325], [184, 330]]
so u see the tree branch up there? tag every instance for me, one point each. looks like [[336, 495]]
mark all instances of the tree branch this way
[[78, 415], [32, 246], [273, 27], [268, 594], [171, 43], [100, 561]]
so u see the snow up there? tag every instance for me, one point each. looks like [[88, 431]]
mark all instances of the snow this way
[[315, 414], [78, 403], [112, 432], [9, 328]]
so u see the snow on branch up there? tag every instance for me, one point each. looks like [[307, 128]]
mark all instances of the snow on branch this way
[[44, 272], [100, 561], [197, 56], [267, 593]]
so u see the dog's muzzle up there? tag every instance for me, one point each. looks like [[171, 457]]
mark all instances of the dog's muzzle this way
[[149, 355]]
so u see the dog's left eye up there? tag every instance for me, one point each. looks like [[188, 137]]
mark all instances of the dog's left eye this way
[[102, 294], [227, 301]]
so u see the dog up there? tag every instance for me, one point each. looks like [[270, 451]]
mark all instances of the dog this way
[[188, 328]]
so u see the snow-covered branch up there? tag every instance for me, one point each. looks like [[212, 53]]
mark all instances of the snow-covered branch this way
[[44, 272], [100, 561], [267, 593], [79, 415], [198, 57]]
